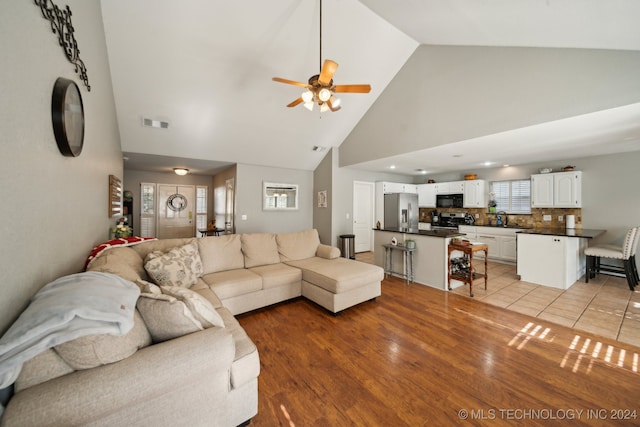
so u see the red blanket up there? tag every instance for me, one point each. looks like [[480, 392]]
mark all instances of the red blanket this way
[[122, 241]]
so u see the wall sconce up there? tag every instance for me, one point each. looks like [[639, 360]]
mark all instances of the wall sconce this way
[[181, 171]]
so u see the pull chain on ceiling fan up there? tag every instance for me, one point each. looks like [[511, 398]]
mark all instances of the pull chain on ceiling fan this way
[[320, 88]]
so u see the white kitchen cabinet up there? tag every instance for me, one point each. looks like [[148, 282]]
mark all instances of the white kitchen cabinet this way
[[427, 195], [491, 240], [501, 242], [469, 231], [555, 261], [398, 187], [508, 248], [410, 188], [392, 187], [559, 190], [567, 190], [453, 187], [474, 193]]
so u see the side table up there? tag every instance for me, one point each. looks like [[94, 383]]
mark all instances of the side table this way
[[407, 254], [461, 268]]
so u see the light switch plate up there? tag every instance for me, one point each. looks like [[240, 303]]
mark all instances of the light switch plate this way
[[244, 217]]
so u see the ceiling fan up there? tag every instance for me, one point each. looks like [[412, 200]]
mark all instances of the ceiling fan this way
[[320, 88]]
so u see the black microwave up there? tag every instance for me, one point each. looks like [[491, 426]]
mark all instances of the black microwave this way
[[449, 200]]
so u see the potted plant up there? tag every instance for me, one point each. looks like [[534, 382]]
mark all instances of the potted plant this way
[[121, 229], [492, 203]]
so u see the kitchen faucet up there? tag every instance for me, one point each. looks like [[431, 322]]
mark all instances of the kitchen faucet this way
[[500, 221]]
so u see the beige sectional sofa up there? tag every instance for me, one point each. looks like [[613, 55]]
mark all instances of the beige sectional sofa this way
[[171, 373]]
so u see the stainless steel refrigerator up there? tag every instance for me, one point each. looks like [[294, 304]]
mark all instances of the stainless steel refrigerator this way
[[401, 210]]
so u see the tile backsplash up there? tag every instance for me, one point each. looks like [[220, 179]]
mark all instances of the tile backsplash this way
[[536, 219]]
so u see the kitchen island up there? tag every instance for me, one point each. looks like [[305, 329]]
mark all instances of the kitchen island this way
[[553, 256], [430, 254]]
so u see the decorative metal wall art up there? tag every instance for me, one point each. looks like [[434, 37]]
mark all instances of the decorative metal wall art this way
[[61, 24]]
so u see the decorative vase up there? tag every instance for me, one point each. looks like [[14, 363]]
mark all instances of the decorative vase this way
[[492, 209]]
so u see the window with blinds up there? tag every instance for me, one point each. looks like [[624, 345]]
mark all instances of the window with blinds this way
[[201, 207], [512, 196], [147, 210]]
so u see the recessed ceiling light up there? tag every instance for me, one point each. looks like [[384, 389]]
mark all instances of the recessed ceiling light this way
[[422, 171], [392, 167], [505, 166], [318, 148], [488, 163]]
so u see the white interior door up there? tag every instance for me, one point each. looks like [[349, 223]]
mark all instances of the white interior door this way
[[176, 207], [363, 215]]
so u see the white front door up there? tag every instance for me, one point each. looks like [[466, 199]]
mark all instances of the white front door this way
[[176, 207], [363, 215]]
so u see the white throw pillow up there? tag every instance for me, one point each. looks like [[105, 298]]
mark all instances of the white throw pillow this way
[[180, 266], [166, 317], [200, 307]]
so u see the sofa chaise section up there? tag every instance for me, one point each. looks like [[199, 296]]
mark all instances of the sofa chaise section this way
[[330, 281]]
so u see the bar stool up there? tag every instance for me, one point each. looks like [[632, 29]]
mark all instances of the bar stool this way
[[595, 253]]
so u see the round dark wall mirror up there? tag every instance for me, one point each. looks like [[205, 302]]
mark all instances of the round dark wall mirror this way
[[67, 114]]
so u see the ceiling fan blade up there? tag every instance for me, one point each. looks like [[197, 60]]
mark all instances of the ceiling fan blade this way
[[331, 106], [328, 70], [294, 103], [353, 88], [290, 82]]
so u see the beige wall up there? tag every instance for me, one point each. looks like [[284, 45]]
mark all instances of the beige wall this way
[[447, 94], [323, 181], [249, 179], [55, 207]]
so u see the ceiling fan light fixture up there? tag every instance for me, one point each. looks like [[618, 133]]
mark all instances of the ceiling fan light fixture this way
[[324, 94], [320, 88], [307, 96]]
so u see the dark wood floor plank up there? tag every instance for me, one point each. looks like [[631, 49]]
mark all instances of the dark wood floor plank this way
[[418, 356]]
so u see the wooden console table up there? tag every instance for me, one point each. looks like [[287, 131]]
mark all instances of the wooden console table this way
[[463, 266], [407, 261]]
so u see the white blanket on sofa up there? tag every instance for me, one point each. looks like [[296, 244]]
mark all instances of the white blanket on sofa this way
[[65, 309]]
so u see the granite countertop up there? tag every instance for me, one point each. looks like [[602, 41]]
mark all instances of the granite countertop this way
[[432, 233], [584, 233]]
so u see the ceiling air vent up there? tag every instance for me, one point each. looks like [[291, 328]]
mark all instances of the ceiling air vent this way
[[318, 148], [155, 123]]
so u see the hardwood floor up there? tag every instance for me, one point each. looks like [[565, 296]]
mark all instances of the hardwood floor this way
[[418, 356]]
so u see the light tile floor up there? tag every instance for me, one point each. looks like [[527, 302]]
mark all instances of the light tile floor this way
[[604, 306]]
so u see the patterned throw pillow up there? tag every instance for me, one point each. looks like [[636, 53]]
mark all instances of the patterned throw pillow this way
[[180, 266]]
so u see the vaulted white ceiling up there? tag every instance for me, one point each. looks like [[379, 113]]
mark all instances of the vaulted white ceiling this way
[[205, 67]]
